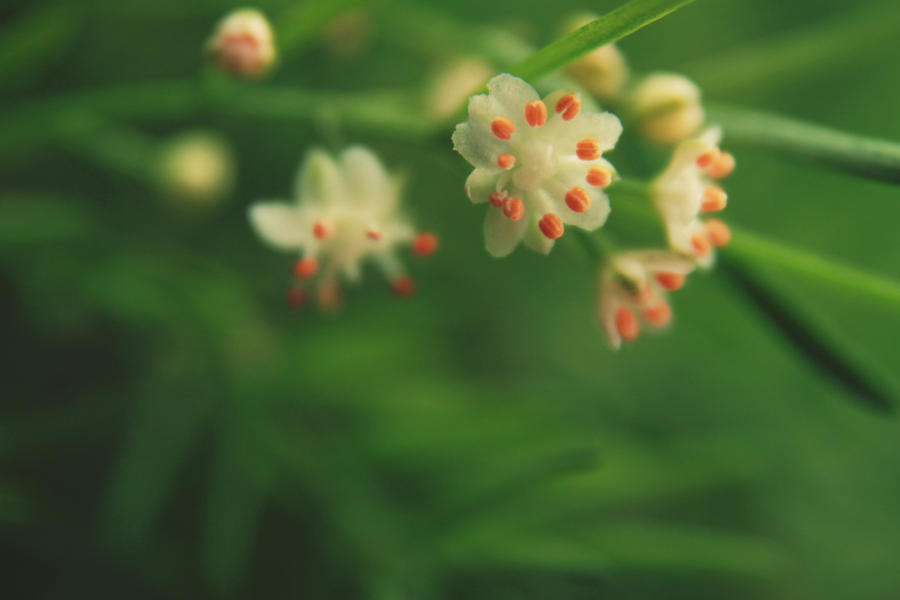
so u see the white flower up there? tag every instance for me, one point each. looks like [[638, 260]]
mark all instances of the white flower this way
[[603, 71], [243, 44], [197, 169], [685, 190], [632, 288], [538, 162], [668, 108], [346, 212]]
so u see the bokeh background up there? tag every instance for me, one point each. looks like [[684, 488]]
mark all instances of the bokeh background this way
[[169, 429]]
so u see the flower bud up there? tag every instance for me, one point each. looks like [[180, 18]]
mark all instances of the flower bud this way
[[243, 44], [668, 108], [603, 71], [197, 169], [455, 84]]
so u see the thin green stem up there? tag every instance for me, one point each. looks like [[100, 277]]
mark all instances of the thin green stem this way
[[612, 26], [863, 156]]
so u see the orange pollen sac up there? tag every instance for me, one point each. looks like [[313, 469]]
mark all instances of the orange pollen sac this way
[[551, 226], [506, 161], [714, 199], [719, 233], [403, 287], [306, 267], [598, 177], [536, 113], [701, 244], [514, 208], [588, 149], [627, 324], [568, 106], [503, 128], [295, 298], [708, 158], [671, 281], [722, 166], [323, 229], [497, 198], [578, 199], [425, 244], [658, 315], [372, 234]]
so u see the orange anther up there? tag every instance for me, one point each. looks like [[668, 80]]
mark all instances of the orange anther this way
[[403, 286], [536, 113], [568, 105], [295, 298], [514, 208], [323, 229], [551, 226], [425, 244], [714, 199], [719, 233], [627, 324], [708, 158], [306, 267], [722, 166], [373, 234], [506, 161], [671, 281], [658, 315], [588, 149], [578, 199], [503, 128], [497, 198], [598, 177], [701, 244]]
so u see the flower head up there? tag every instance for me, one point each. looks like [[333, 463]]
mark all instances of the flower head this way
[[538, 162], [686, 189], [668, 108], [633, 289], [243, 44], [602, 71], [346, 212]]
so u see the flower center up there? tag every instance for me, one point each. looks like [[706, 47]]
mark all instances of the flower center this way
[[536, 163]]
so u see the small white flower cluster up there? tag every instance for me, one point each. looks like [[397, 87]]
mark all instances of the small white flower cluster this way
[[346, 212]]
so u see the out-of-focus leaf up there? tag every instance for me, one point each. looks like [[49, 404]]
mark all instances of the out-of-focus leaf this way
[[29, 219], [27, 44]]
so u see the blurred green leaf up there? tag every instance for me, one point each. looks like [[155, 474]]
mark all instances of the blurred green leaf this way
[[30, 42]]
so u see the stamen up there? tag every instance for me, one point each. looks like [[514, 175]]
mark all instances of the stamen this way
[[598, 177], [295, 298], [403, 286], [722, 166], [671, 281], [306, 267], [425, 244], [514, 208], [719, 232], [497, 198], [701, 244], [627, 324], [330, 296], [373, 234], [503, 128], [323, 229], [708, 158], [568, 105], [536, 113], [551, 226], [643, 295], [588, 149], [506, 161], [578, 199], [658, 315], [714, 199]]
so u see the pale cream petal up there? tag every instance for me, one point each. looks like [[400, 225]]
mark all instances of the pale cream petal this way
[[366, 180], [319, 180], [481, 183], [501, 234], [280, 225]]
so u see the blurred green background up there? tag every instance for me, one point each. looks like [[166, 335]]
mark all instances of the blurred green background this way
[[169, 429]]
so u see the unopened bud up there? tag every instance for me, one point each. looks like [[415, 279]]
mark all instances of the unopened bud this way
[[197, 169], [243, 44], [455, 84], [603, 71], [668, 108]]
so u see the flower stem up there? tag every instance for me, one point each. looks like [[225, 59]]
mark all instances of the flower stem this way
[[612, 26], [863, 156]]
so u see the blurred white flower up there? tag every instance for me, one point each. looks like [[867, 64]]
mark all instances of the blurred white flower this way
[[603, 71], [346, 212], [632, 289], [243, 44], [454, 84], [667, 107], [686, 189], [538, 162], [197, 169]]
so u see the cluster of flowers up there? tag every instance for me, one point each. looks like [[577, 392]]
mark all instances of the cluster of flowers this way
[[539, 166]]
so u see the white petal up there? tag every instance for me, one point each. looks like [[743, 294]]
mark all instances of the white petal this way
[[366, 180], [570, 175], [606, 309], [279, 224], [511, 94], [481, 183], [662, 261], [502, 234], [319, 179], [477, 144], [535, 238]]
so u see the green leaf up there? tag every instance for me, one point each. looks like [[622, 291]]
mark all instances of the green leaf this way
[[860, 155], [612, 26], [29, 43]]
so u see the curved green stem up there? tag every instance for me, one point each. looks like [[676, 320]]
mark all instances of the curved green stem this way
[[863, 156], [612, 26]]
